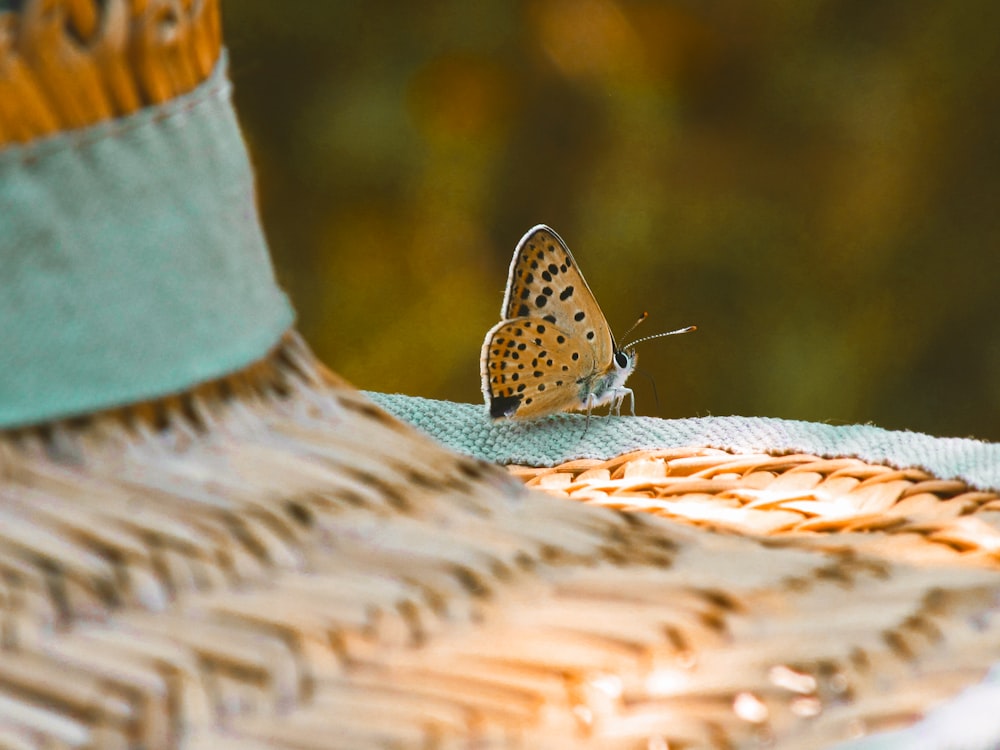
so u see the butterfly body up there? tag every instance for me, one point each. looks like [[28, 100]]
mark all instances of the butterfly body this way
[[553, 350], [609, 387]]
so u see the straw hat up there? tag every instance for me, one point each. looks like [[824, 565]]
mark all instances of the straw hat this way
[[207, 539]]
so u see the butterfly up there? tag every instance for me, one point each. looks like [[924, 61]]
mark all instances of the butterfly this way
[[552, 350]]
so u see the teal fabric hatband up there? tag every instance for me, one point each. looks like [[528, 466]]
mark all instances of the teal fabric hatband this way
[[132, 262], [467, 428]]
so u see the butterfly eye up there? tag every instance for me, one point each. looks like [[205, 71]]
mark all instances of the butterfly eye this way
[[621, 359]]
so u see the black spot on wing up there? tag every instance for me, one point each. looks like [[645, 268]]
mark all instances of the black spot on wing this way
[[566, 293], [503, 406]]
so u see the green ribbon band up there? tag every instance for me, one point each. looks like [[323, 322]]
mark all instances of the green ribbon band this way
[[132, 261]]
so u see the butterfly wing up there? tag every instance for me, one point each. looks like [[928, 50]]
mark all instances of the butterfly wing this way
[[546, 283], [545, 289], [532, 368]]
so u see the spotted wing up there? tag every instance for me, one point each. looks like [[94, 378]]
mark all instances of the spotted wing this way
[[545, 283], [531, 368]]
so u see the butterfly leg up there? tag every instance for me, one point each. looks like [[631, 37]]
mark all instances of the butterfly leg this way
[[587, 403], [621, 394]]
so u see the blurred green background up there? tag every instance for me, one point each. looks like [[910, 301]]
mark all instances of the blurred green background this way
[[816, 184]]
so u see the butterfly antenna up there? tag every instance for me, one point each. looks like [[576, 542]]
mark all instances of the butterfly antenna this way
[[635, 325], [660, 335]]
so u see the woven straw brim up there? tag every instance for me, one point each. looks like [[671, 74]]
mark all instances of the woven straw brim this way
[[270, 561], [906, 514]]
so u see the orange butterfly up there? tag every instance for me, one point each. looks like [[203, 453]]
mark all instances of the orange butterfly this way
[[553, 349]]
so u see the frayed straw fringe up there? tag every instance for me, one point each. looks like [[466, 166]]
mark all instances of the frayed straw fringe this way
[[270, 561], [67, 64]]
